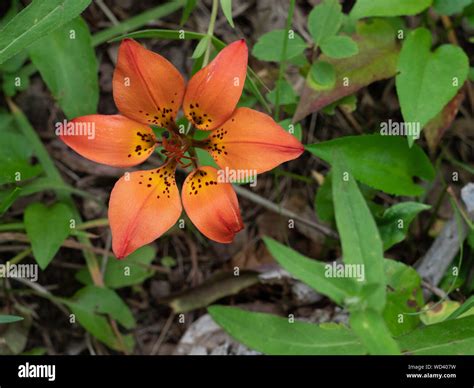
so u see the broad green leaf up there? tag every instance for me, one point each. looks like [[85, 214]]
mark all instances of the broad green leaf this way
[[9, 318], [15, 7], [360, 239], [404, 297], [290, 127], [451, 337], [450, 7], [102, 300], [376, 60], [439, 312], [269, 46], [394, 224], [123, 273], [367, 8], [15, 336], [66, 61], [99, 327], [323, 202], [47, 228], [35, 21], [373, 333], [15, 156], [312, 272], [15, 82], [426, 80], [325, 20], [7, 200], [201, 47], [287, 94], [226, 6], [382, 162], [323, 74], [339, 47], [347, 104], [277, 336]]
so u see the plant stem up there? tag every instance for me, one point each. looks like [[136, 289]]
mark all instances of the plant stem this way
[[210, 31], [282, 69]]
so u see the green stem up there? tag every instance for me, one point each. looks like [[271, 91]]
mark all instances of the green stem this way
[[281, 72], [210, 31], [20, 256]]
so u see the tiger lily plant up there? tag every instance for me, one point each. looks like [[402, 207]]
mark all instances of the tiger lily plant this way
[[149, 91]]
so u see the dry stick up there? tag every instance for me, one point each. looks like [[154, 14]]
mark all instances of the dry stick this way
[[436, 261], [284, 212]]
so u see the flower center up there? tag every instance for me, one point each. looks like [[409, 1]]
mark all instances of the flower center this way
[[175, 148]]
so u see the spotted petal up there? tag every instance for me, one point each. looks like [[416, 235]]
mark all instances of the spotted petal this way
[[143, 205], [114, 140], [211, 205], [252, 141], [147, 88], [213, 92]]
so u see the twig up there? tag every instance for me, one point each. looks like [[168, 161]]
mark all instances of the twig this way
[[284, 212], [161, 338], [436, 261]]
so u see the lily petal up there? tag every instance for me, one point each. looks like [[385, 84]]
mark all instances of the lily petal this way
[[213, 92], [147, 88], [212, 206], [113, 140], [253, 141], [143, 205]]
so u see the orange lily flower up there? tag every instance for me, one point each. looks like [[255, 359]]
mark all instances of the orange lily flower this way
[[148, 91]]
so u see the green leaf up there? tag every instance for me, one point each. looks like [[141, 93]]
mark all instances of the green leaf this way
[[187, 10], [404, 297], [376, 60], [66, 61], [292, 128], [282, 337], [464, 308], [35, 21], [269, 46], [312, 272], [339, 47], [226, 6], [367, 8], [451, 337], [287, 94], [47, 228], [373, 333], [123, 273], [15, 155], [427, 80], [323, 74], [323, 202], [201, 47], [450, 7], [102, 300], [382, 162], [8, 200], [325, 20], [394, 224], [360, 239], [9, 318], [99, 326]]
